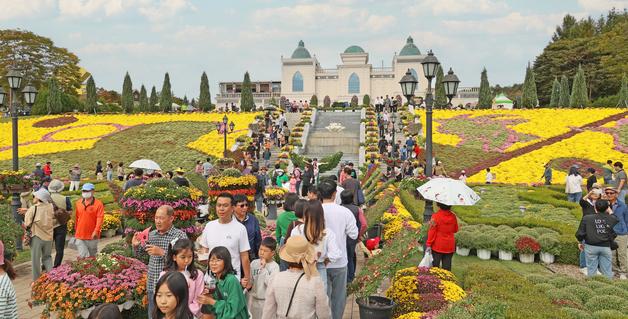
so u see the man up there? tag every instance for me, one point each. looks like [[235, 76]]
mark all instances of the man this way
[[207, 166], [621, 181], [620, 256], [138, 179], [179, 178], [347, 202], [38, 172], [250, 222], [157, 248], [47, 169], [353, 174], [251, 150], [75, 178], [409, 147], [260, 187], [547, 174], [607, 172], [228, 232], [353, 185], [89, 216], [308, 179], [60, 230], [341, 221]]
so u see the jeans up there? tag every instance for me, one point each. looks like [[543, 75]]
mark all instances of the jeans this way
[[598, 256], [259, 202], [74, 185], [351, 243], [622, 196], [87, 248], [583, 260], [109, 176], [59, 238], [574, 197], [41, 253], [619, 255], [337, 291], [322, 271]]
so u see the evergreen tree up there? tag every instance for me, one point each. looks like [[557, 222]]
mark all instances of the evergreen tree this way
[[579, 97], [91, 102], [440, 100], [366, 100], [204, 99], [165, 98], [54, 103], [314, 101], [127, 94], [153, 100], [623, 92], [564, 92], [246, 97], [185, 100], [144, 106], [555, 94], [273, 101], [485, 100], [529, 99]]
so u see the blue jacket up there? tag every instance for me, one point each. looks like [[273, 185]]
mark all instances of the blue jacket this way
[[254, 233], [621, 212]]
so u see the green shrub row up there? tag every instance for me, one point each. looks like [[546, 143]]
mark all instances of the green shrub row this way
[[412, 204], [375, 212]]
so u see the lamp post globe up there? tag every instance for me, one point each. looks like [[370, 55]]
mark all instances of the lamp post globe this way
[[225, 119], [408, 85], [430, 64], [2, 95], [14, 78], [451, 81], [231, 126], [30, 93]]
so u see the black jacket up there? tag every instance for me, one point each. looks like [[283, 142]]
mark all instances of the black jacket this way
[[597, 229]]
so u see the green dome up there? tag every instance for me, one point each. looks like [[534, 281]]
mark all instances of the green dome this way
[[301, 52], [354, 49], [410, 48]]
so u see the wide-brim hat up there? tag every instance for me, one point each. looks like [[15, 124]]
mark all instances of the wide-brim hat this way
[[43, 195], [55, 186], [298, 250], [608, 188]]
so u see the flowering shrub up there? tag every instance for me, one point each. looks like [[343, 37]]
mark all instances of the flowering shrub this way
[[396, 218], [17, 178], [111, 222], [80, 285], [274, 193], [527, 245]]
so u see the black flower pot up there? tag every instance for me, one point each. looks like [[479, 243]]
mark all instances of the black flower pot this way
[[375, 307]]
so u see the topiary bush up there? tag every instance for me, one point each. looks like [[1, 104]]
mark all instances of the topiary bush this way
[[559, 296], [575, 313], [594, 284], [607, 302], [538, 279], [506, 242], [562, 281], [612, 290], [609, 314], [549, 243], [465, 239], [583, 292]]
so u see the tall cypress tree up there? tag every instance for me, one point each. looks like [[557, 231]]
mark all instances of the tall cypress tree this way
[[440, 100], [91, 102], [54, 103], [153, 100], [555, 93], [485, 100], [144, 106], [204, 99], [246, 97], [579, 97], [127, 94], [623, 92], [165, 98], [314, 101], [529, 99], [564, 92]]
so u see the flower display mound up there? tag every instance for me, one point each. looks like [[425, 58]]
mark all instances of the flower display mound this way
[[565, 163], [231, 181], [73, 289], [423, 290], [57, 121], [140, 203]]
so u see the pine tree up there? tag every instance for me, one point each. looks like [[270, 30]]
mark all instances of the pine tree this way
[[314, 101], [529, 99], [485, 100], [555, 93], [564, 92], [204, 99], [623, 92], [246, 97], [127, 94], [165, 98], [91, 102], [144, 106], [153, 100], [440, 100], [579, 96], [53, 104]]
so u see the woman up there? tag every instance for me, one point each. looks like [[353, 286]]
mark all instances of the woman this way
[[8, 299], [440, 237], [592, 179], [120, 171], [439, 170], [588, 208], [297, 293], [99, 171], [109, 171], [40, 220], [299, 211], [199, 168], [573, 185], [596, 231]]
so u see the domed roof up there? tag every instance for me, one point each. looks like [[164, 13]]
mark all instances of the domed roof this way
[[301, 52], [354, 49], [410, 48]]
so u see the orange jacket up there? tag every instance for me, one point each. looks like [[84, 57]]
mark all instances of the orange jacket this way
[[89, 216]]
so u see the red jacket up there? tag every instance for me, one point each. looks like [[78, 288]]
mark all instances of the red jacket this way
[[440, 237]]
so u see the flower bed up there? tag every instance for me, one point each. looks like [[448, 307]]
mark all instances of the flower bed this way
[[73, 289], [275, 195], [243, 185]]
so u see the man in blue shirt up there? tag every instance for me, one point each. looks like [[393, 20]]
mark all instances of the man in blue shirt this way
[[409, 147], [251, 223], [620, 258]]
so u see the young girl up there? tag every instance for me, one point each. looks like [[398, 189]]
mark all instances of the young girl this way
[[171, 297], [227, 301], [293, 183], [8, 301], [181, 258]]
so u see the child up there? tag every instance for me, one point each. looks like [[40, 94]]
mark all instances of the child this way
[[227, 301], [262, 269], [293, 183], [7, 291], [489, 176], [171, 297], [181, 258]]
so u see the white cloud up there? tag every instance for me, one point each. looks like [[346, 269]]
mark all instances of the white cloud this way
[[165, 9], [153, 10], [512, 23], [602, 5], [12, 9], [457, 7], [140, 49]]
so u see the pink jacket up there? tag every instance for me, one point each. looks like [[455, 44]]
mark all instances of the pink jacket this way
[[195, 288], [293, 185]]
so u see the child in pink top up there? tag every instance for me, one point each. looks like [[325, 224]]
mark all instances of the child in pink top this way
[[293, 184], [181, 258]]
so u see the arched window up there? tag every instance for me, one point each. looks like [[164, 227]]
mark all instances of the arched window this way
[[297, 82], [414, 74], [354, 83]]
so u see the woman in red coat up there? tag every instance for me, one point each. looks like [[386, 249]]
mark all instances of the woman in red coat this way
[[440, 237]]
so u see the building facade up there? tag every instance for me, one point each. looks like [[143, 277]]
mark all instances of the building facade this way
[[263, 92]]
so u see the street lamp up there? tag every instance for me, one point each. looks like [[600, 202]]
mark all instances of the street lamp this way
[[2, 96], [408, 85], [450, 81], [225, 120], [231, 126], [393, 118]]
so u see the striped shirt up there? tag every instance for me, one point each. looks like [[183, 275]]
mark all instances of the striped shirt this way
[[8, 304], [156, 264]]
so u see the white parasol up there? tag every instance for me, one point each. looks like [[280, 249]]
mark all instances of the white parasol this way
[[449, 192], [145, 164]]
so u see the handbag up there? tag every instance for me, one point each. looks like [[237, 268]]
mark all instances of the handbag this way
[[61, 215], [28, 234], [614, 245], [292, 296]]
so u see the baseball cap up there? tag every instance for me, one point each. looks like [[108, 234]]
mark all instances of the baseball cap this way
[[88, 187]]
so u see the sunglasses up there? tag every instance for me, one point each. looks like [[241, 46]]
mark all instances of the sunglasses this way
[[610, 193], [243, 205]]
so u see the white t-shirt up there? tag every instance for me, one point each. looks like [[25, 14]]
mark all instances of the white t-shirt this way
[[573, 184], [327, 247], [339, 190], [489, 177], [342, 223], [233, 236]]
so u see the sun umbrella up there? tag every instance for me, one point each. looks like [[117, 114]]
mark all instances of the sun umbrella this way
[[449, 192], [271, 108], [145, 164]]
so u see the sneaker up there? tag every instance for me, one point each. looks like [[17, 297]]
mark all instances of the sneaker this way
[[583, 271]]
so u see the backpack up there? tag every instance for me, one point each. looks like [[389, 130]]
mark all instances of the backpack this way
[[61, 214]]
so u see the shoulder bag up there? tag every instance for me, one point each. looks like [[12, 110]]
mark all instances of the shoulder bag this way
[[292, 296], [28, 234]]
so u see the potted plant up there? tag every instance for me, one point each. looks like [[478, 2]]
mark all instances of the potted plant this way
[[484, 243], [110, 224], [16, 181], [274, 196], [549, 247], [464, 242], [527, 247], [506, 245]]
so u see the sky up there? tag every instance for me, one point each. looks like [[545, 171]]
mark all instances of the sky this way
[[227, 38]]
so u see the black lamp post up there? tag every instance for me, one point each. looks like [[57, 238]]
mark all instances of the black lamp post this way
[[450, 81], [393, 118], [225, 120], [231, 126], [430, 64]]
